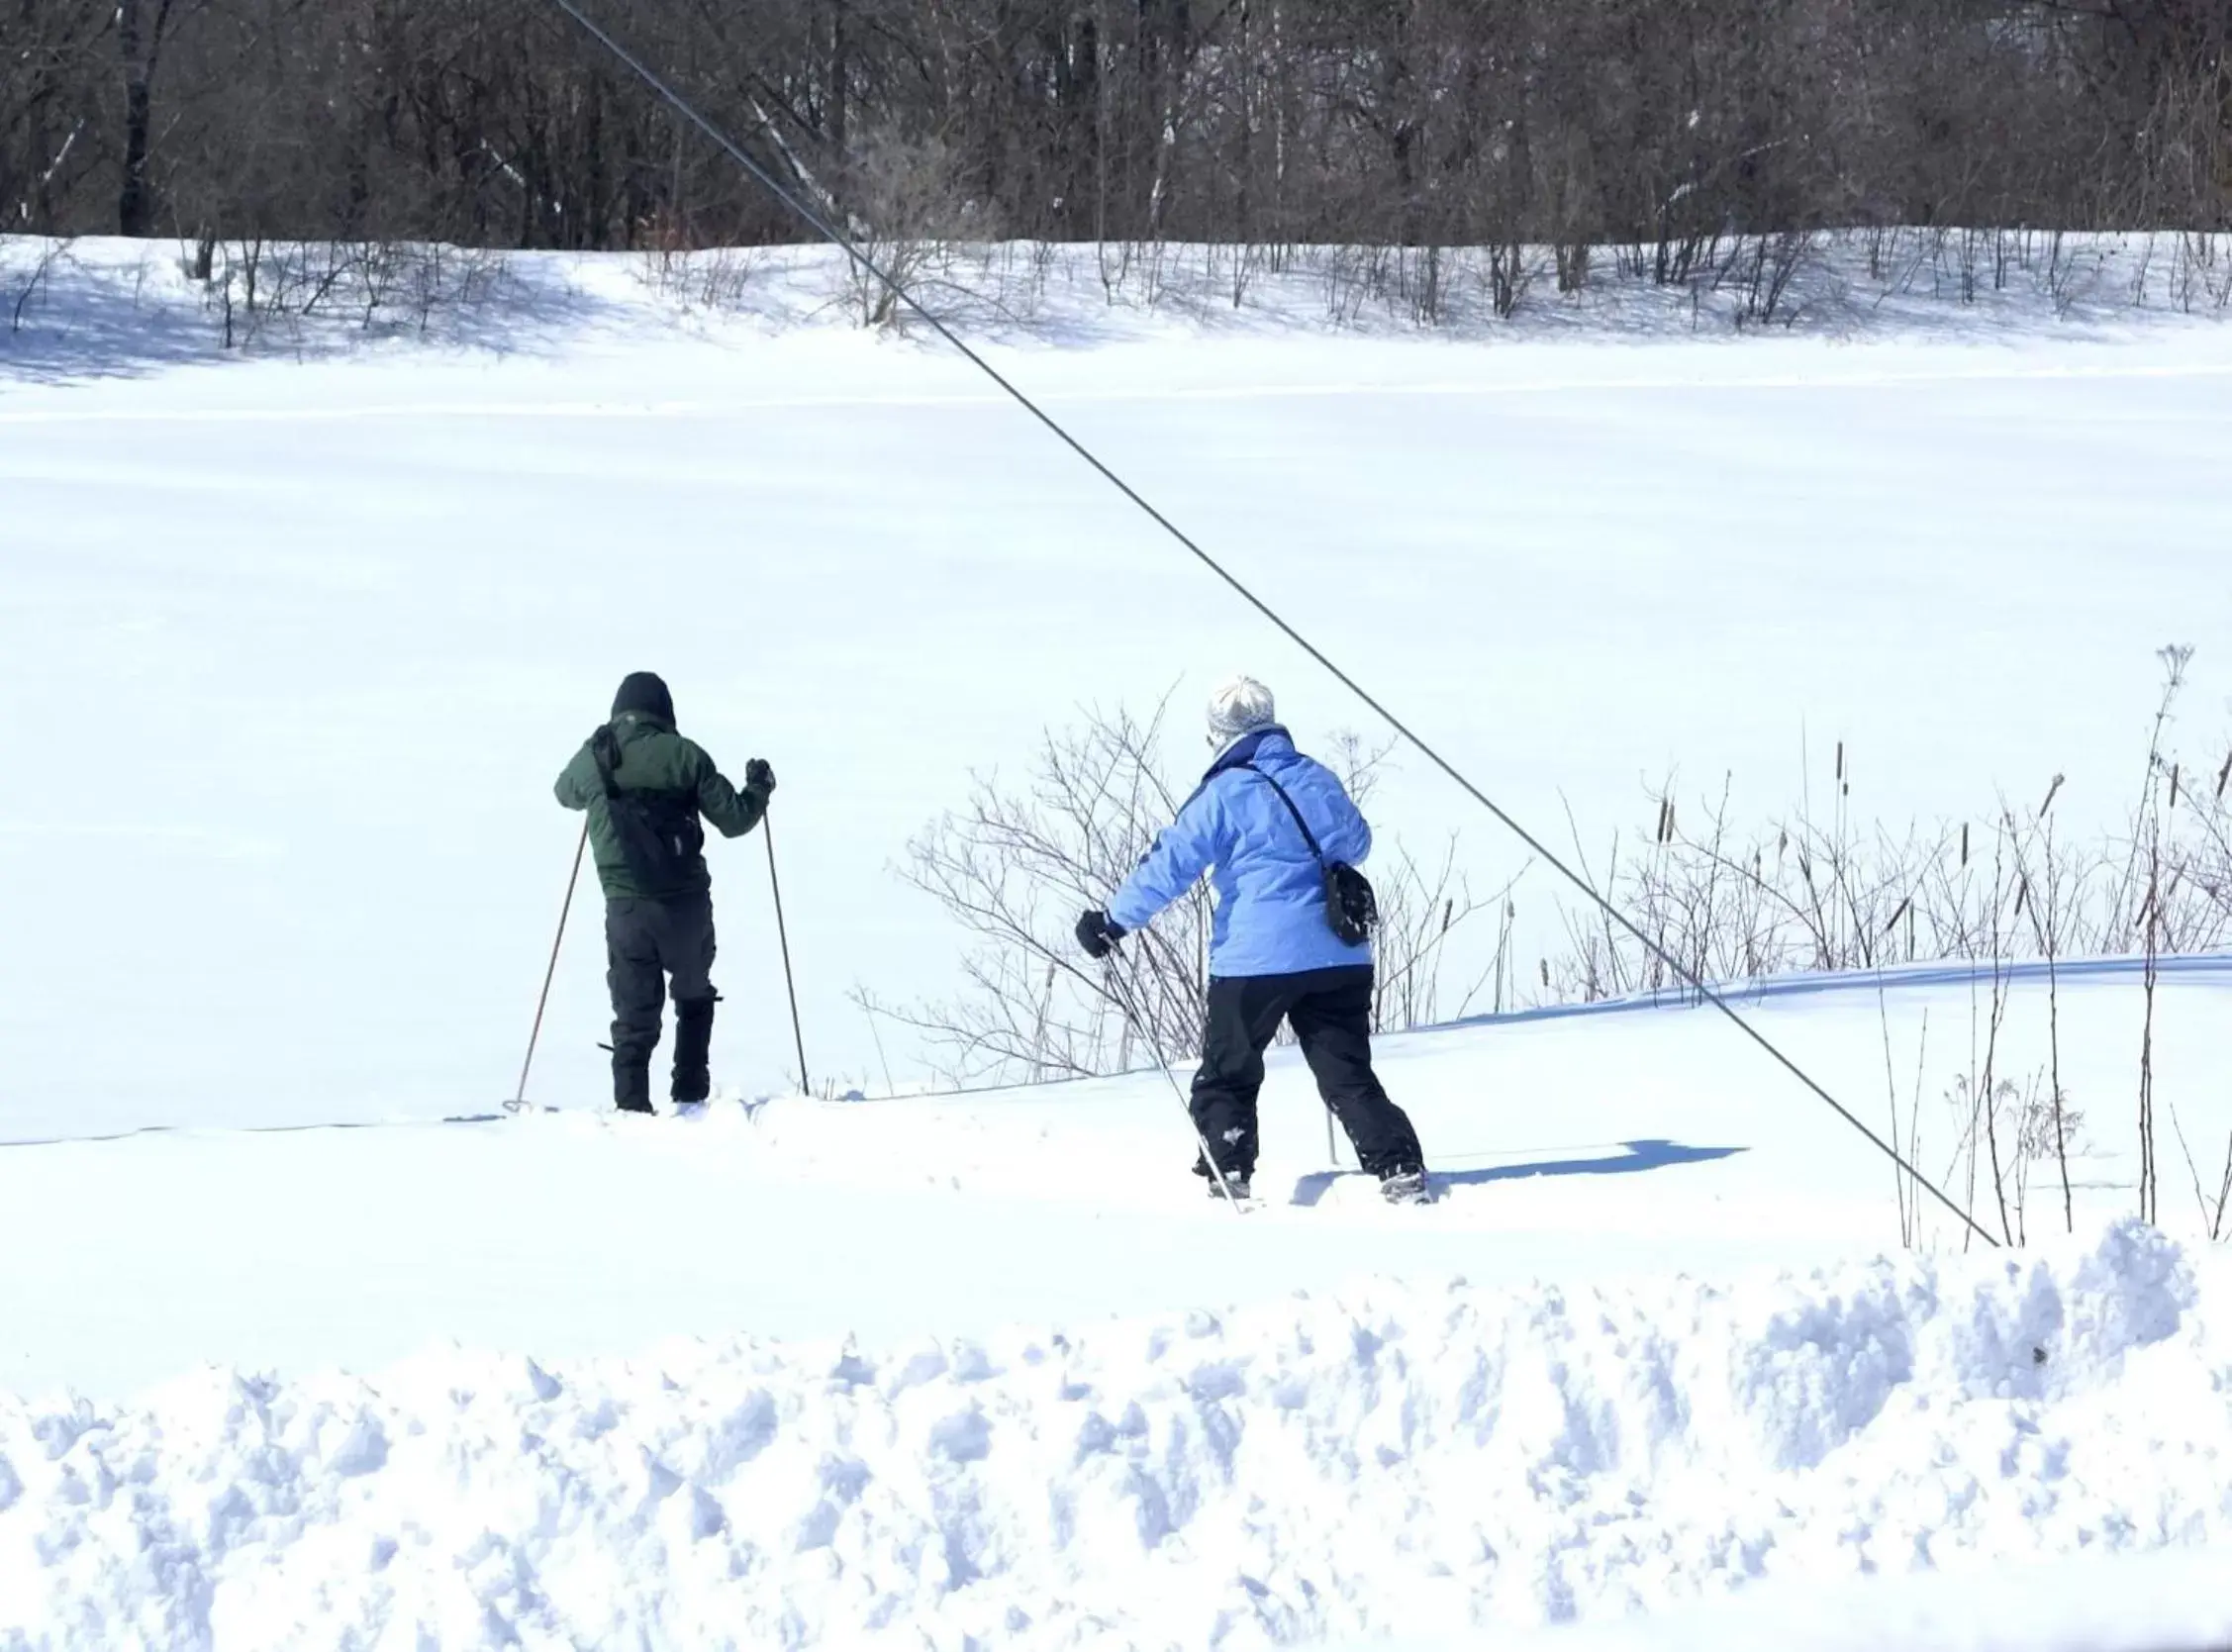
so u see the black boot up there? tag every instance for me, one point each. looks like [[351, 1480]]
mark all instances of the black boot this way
[[693, 1050], [631, 1081]]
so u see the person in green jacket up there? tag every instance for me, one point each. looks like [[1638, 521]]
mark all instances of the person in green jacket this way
[[646, 788]]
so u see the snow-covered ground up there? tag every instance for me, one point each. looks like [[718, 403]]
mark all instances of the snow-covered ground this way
[[329, 628], [1582, 1146], [292, 648], [905, 1373]]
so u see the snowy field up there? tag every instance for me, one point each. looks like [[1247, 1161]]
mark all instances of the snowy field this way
[[331, 625], [298, 1347], [846, 1374]]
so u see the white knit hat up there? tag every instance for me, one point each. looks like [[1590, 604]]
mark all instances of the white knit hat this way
[[1239, 707]]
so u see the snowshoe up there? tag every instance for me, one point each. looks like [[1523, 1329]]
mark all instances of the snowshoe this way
[[1241, 1192], [1406, 1186]]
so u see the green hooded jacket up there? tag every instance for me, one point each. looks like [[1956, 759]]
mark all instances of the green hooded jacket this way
[[653, 757]]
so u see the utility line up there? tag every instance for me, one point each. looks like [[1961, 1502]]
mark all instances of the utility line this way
[[837, 236]]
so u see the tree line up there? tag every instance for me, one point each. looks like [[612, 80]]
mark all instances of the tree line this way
[[1401, 123]]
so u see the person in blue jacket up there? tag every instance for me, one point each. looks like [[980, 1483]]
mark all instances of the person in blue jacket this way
[[1274, 955]]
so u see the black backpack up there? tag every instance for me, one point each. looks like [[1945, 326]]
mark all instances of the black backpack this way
[[659, 835], [1352, 908]]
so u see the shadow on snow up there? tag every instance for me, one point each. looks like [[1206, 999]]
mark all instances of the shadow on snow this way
[[1638, 1156], [138, 1130], [81, 321]]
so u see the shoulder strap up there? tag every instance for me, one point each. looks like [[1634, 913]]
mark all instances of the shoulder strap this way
[[604, 751], [1307, 836]]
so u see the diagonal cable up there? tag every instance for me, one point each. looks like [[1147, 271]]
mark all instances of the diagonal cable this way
[[837, 237]]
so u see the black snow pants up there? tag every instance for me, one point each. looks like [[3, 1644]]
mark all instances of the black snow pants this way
[[646, 941], [1331, 1013]]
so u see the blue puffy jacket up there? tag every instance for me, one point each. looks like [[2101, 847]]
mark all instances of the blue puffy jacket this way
[[1269, 890]]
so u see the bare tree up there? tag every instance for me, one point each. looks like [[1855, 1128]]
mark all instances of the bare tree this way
[[1683, 144], [143, 32]]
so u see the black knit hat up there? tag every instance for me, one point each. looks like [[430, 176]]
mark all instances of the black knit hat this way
[[644, 692]]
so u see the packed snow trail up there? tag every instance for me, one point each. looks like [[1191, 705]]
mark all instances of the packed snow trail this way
[[1404, 1460], [1577, 1149]]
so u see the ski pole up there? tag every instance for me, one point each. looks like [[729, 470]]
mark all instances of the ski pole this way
[[783, 934], [1139, 1026], [573, 878]]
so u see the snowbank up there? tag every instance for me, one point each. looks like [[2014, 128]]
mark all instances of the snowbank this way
[[1404, 1460]]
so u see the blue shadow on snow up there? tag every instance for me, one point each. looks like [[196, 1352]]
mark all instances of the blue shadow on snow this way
[[1640, 1156], [138, 1130]]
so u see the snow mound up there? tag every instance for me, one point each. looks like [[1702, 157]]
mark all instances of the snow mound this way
[[1398, 1460]]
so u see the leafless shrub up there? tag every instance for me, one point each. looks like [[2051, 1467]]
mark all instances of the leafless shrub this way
[[907, 210], [1135, 271], [1818, 892], [2074, 273], [2046, 874], [2202, 279], [1016, 864], [257, 288], [1823, 894], [1507, 274], [1015, 867], [2048, 1129], [1970, 242], [1762, 272], [2148, 874], [700, 278], [1905, 1179], [1881, 241], [1571, 260], [2010, 1129], [1422, 278], [22, 284], [1352, 278]]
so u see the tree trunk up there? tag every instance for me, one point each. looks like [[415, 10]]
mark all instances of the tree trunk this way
[[133, 209], [837, 76]]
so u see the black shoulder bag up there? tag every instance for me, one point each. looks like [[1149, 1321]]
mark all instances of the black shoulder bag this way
[[659, 833], [1352, 909]]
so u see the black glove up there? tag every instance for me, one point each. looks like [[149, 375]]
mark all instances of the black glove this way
[[758, 777], [1098, 935]]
